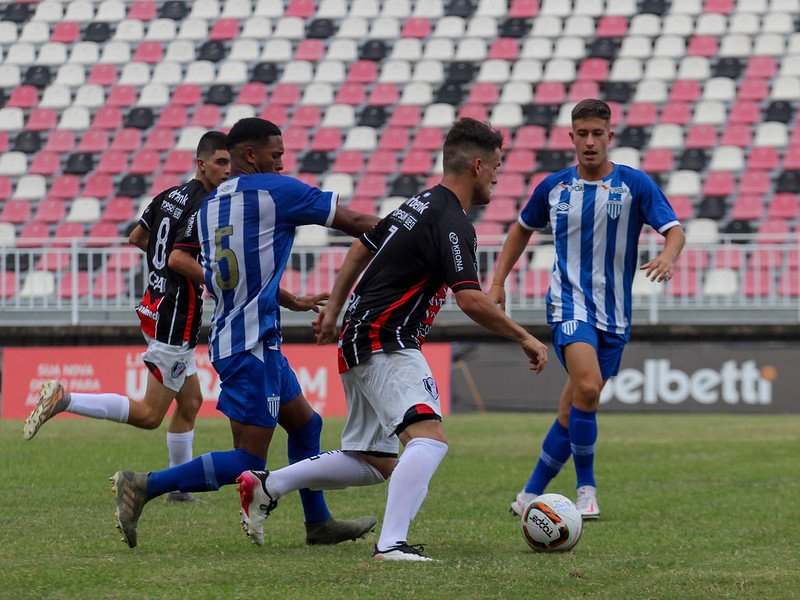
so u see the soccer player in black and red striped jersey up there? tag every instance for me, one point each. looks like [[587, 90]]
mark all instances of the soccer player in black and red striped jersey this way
[[411, 257], [170, 313]]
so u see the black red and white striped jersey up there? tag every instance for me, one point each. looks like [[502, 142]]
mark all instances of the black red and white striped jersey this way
[[171, 309], [422, 248]]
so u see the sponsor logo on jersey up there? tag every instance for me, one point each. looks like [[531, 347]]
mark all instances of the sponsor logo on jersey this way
[[416, 204], [227, 187], [562, 208], [569, 327], [456, 247], [430, 386], [614, 208]]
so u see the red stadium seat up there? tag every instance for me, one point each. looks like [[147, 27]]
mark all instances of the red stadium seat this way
[[549, 92], [724, 7], [501, 209], [326, 139], [224, 29], [384, 94], [789, 284], [701, 137], [684, 90], [593, 69], [143, 10], [301, 8], [703, 45], [765, 258], [679, 113], [784, 206], [612, 26], [504, 49], [311, 179], [753, 89], [348, 161], [286, 94], [331, 260], [186, 94], [206, 115], [173, 116], [102, 234], [107, 117], [125, 261], [66, 232], [416, 28], [179, 161], [745, 112], [66, 32], [253, 93], [94, 140], [760, 67], [736, 135], [122, 96], [519, 160], [532, 137], [755, 182], [306, 116], [370, 186], [692, 258], [428, 138], [483, 93], [15, 211], [684, 284], [163, 182], [537, 282], [405, 116], [160, 139], [291, 281], [535, 180], [310, 49], [24, 96], [364, 205], [104, 74], [730, 257], [791, 159], [127, 139], [758, 284], [43, 119], [5, 187], [642, 113], [382, 161], [45, 163], [98, 186], [148, 52], [34, 235], [54, 260], [65, 186], [747, 208], [394, 138], [74, 285], [478, 112], [524, 8], [363, 71], [351, 93], [277, 114], [658, 160], [511, 185], [559, 138], [119, 209], [417, 162], [579, 90], [773, 231], [682, 205], [489, 232], [295, 138], [319, 281], [108, 284], [113, 162], [719, 183], [145, 162], [8, 285]]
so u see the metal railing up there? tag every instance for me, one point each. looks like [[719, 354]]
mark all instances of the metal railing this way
[[735, 280]]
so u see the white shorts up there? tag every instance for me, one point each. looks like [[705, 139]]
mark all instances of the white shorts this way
[[171, 365], [379, 392]]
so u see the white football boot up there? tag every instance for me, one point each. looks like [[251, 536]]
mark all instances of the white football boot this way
[[402, 551], [587, 502], [257, 503], [521, 501]]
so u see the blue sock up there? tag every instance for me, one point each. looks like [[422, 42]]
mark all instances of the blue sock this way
[[304, 443], [555, 452], [582, 438], [205, 473]]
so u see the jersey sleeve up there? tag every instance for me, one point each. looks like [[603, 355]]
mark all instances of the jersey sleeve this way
[[303, 204], [536, 212], [656, 209], [149, 215], [373, 239], [186, 236], [456, 253]]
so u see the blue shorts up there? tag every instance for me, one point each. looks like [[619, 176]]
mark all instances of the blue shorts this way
[[609, 346], [252, 390]]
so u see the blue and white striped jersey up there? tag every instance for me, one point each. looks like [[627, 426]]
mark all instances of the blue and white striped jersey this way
[[596, 227], [246, 230]]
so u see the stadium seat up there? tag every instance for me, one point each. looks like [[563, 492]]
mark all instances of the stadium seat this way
[[50, 211], [45, 163], [15, 211], [382, 161], [118, 210], [370, 186], [37, 285]]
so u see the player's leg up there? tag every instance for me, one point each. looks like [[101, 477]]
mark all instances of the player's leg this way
[[250, 404], [554, 454], [180, 435]]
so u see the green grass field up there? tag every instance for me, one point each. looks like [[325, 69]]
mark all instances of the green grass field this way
[[693, 507]]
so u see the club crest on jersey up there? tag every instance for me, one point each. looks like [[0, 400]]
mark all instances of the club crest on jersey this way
[[177, 369], [430, 385], [273, 404], [569, 327], [614, 208]]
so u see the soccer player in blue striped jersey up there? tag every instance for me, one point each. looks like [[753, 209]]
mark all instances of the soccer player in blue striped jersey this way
[[246, 230], [596, 209]]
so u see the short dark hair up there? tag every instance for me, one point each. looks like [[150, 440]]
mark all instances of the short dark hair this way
[[210, 143], [252, 129], [591, 108], [466, 139]]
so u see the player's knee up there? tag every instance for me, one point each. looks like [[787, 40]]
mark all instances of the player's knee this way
[[190, 405], [382, 464], [151, 420], [587, 393]]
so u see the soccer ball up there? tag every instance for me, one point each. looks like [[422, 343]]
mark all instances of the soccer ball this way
[[551, 523]]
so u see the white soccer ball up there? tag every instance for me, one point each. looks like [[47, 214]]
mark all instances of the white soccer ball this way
[[551, 523]]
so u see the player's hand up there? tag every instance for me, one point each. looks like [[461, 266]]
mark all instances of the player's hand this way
[[536, 352], [659, 269], [306, 303], [497, 294], [324, 327]]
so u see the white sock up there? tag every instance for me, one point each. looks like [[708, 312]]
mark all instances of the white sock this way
[[179, 446], [111, 407], [327, 471], [408, 487]]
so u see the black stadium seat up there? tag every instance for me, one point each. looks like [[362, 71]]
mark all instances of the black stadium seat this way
[[778, 110], [373, 116], [738, 227], [514, 28], [635, 137], [617, 91], [693, 159], [460, 8], [140, 117], [80, 163], [132, 186], [712, 207], [265, 72], [212, 51], [728, 67], [97, 32], [540, 114], [789, 181], [174, 9], [17, 12], [37, 76], [450, 93], [220, 94], [406, 186], [321, 29], [315, 162], [29, 142], [461, 72], [373, 50]]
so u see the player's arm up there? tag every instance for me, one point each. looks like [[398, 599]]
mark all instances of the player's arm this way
[[353, 222], [513, 247], [301, 303], [139, 237], [478, 307], [184, 263], [357, 259], [661, 268]]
